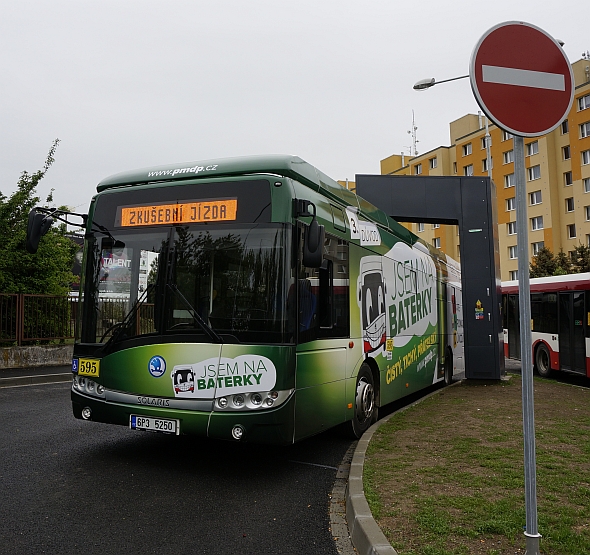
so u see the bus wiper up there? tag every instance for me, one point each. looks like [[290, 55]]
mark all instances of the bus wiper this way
[[119, 328], [195, 315]]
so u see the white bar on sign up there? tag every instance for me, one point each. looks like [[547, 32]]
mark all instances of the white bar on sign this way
[[523, 78]]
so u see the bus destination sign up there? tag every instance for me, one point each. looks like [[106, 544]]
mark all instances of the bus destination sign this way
[[224, 210]]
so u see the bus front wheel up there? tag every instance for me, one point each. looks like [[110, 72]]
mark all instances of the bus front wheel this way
[[543, 361], [365, 407]]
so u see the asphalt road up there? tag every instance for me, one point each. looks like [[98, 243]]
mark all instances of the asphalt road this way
[[73, 487]]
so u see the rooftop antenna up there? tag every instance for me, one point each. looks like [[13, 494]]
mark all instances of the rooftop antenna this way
[[586, 55], [412, 132]]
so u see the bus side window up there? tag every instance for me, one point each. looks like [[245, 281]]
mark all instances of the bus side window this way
[[324, 309], [326, 313], [334, 289], [307, 305]]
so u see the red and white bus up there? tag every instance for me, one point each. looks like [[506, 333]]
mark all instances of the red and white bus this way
[[560, 323]]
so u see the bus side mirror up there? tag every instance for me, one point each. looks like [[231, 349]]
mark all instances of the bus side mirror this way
[[313, 237], [313, 245], [37, 226]]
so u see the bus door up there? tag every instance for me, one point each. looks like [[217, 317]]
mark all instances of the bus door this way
[[513, 322], [572, 348], [323, 337]]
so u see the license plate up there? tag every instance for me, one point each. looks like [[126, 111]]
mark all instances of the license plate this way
[[151, 424], [89, 367]]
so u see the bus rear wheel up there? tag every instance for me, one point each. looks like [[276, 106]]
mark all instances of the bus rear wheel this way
[[365, 407], [543, 361]]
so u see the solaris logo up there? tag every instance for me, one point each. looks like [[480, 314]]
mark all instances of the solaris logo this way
[[157, 366]]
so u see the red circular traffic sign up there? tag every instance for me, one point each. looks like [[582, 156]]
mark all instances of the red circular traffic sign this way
[[522, 78]]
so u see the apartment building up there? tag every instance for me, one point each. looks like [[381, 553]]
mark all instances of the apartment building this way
[[557, 178]]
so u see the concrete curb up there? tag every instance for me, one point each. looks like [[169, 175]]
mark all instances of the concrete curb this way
[[366, 536], [16, 381]]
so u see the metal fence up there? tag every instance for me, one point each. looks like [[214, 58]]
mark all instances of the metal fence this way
[[36, 318], [42, 319]]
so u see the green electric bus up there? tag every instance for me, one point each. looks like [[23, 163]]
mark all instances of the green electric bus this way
[[253, 298]]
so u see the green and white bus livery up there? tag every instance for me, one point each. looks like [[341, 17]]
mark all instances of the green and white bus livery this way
[[255, 299]]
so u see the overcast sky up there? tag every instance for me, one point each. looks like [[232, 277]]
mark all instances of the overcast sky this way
[[133, 83]]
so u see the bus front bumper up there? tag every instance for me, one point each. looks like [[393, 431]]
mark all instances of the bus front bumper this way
[[270, 426]]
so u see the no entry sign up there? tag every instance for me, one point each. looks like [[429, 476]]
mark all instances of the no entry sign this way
[[522, 78]]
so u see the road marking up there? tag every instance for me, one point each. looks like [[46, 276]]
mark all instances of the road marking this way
[[314, 464], [523, 78]]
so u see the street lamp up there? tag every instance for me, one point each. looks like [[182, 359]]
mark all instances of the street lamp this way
[[424, 84], [427, 83]]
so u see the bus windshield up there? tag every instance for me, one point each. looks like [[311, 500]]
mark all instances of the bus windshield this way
[[189, 283]]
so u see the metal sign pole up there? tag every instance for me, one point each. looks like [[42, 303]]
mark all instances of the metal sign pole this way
[[528, 407]]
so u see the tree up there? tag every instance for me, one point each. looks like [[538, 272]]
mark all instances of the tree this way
[[580, 258], [564, 264], [543, 264], [49, 271]]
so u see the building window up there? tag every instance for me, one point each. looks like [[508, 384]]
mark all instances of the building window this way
[[468, 170], [510, 204], [417, 169], [585, 157], [436, 242], [508, 156], [532, 148], [483, 142], [534, 172], [420, 227], [536, 247], [586, 182], [484, 164], [509, 180], [454, 167], [536, 223], [513, 275], [432, 163], [584, 102], [566, 152], [535, 197], [512, 253], [587, 213], [568, 179], [506, 135], [511, 228], [588, 240], [585, 130], [435, 226], [467, 149], [571, 231], [569, 204], [565, 127]]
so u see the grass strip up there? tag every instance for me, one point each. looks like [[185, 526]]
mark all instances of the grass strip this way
[[446, 477]]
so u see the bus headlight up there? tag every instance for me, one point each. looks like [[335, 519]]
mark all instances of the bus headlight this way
[[258, 400], [88, 387]]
